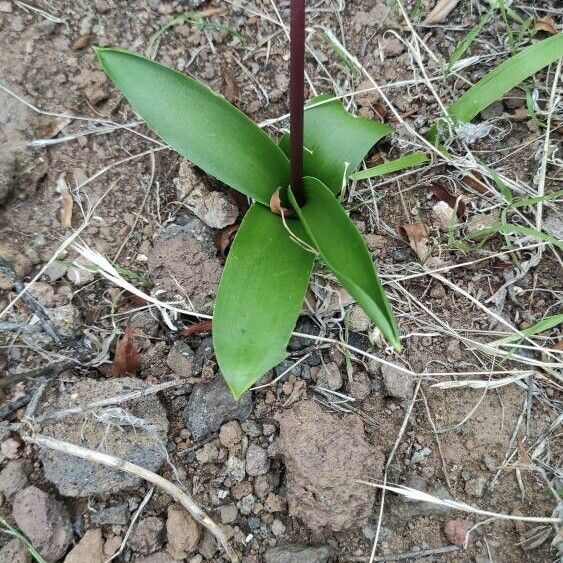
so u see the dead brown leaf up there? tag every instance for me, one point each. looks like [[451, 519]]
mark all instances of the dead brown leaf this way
[[417, 235], [232, 90], [197, 328], [224, 238], [545, 24], [441, 11], [82, 42], [126, 360], [443, 194], [53, 127], [276, 205], [475, 181], [67, 203]]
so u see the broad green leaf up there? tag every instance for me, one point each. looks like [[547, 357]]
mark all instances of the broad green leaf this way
[[344, 251], [259, 297], [407, 161], [505, 77], [335, 141], [199, 124]]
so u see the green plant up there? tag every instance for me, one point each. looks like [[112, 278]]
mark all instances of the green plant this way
[[269, 265]]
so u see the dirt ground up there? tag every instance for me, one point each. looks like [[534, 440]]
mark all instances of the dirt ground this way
[[76, 166]]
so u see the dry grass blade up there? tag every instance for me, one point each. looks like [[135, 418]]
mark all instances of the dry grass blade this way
[[478, 384], [414, 494], [441, 11]]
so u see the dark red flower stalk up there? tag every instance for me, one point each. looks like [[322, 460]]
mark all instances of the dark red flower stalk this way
[[296, 95]]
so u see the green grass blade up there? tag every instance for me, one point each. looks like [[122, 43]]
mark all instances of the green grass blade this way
[[506, 76], [344, 251], [511, 229], [259, 297], [465, 43], [335, 141], [12, 531], [199, 124], [407, 161], [541, 326]]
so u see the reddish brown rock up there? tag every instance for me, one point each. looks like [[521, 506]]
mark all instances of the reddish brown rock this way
[[324, 455]]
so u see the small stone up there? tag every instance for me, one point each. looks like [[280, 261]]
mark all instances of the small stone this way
[[393, 47], [437, 291], [14, 477], [212, 207], [116, 515], [257, 461], [183, 532], [210, 405], [240, 490], [236, 468], [148, 536], [481, 221], [278, 528], [17, 24], [328, 376], [297, 554], [262, 486], [445, 216], [514, 99], [254, 523], [456, 530], [208, 453], [360, 387], [11, 448], [396, 383], [476, 487], [230, 434], [15, 552], [112, 545], [44, 520], [305, 325], [274, 503], [181, 359], [375, 243], [80, 276], [5, 7], [90, 548], [453, 351], [490, 463], [492, 111], [246, 504], [228, 514], [158, 557], [359, 321], [208, 545]]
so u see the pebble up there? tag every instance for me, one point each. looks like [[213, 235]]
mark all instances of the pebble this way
[[148, 536], [257, 461], [10, 448], [158, 557], [14, 477], [90, 548], [236, 468], [476, 487], [17, 24], [262, 486], [456, 530], [246, 504], [228, 514], [210, 405], [328, 376], [297, 554], [490, 462], [278, 528], [438, 291], [230, 434], [396, 383], [208, 454], [254, 523], [15, 552], [181, 359], [208, 546], [358, 319], [116, 515], [305, 325], [183, 532], [44, 520], [360, 387], [393, 47]]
